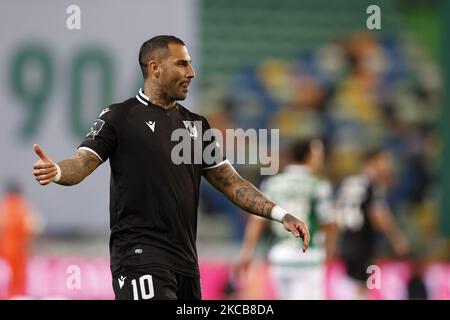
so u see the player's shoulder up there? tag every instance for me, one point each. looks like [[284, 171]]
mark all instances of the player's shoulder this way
[[118, 110]]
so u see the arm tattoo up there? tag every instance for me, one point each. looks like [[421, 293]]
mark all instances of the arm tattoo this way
[[239, 191], [77, 168]]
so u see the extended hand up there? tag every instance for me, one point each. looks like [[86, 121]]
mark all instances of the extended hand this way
[[401, 247], [44, 169], [243, 262], [297, 228]]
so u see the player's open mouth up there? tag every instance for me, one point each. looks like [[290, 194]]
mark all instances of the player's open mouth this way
[[185, 86]]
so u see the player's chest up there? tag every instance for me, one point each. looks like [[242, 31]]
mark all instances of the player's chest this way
[[161, 131]]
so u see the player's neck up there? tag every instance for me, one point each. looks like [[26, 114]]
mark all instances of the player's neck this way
[[157, 97]]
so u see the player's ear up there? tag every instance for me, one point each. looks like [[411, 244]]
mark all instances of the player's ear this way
[[154, 68]]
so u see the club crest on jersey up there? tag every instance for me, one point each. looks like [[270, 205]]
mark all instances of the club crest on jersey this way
[[96, 128], [191, 128]]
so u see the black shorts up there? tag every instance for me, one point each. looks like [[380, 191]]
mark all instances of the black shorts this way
[[157, 283], [357, 268]]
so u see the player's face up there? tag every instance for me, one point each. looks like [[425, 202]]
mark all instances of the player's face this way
[[176, 72]]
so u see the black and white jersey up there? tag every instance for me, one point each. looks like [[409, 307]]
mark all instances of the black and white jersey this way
[[157, 159], [354, 202]]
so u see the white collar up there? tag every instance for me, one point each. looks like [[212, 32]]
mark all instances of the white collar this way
[[142, 97]]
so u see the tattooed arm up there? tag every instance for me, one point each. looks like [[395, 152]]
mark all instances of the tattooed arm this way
[[247, 197], [72, 171], [241, 192]]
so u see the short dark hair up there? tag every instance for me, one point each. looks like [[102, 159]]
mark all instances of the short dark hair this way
[[300, 149], [149, 48]]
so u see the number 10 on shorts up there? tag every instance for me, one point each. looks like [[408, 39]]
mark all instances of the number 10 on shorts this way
[[145, 287]]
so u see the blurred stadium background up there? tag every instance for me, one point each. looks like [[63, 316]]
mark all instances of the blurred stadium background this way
[[305, 67]]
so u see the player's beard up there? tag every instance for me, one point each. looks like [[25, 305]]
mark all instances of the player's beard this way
[[180, 94], [175, 90], [181, 97]]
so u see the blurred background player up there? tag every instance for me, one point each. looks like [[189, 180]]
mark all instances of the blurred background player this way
[[361, 210], [17, 225], [298, 188]]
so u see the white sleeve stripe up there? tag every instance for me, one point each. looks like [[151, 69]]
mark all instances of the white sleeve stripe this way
[[92, 151], [217, 165]]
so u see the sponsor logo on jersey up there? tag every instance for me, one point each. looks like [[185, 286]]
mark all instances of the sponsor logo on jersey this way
[[151, 125], [121, 281]]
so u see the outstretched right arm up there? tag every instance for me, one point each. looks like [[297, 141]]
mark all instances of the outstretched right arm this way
[[72, 170]]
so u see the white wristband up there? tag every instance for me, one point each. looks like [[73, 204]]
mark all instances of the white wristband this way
[[58, 174], [277, 213]]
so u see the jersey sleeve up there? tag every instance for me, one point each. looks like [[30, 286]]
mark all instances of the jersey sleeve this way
[[324, 198], [213, 152], [101, 139]]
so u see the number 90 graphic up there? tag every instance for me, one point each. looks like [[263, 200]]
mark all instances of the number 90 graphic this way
[[32, 81]]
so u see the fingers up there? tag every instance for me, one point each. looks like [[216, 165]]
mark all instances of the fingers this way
[[306, 237], [40, 153], [44, 172], [44, 169], [44, 182], [43, 166], [295, 232], [39, 172], [44, 177], [299, 229]]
